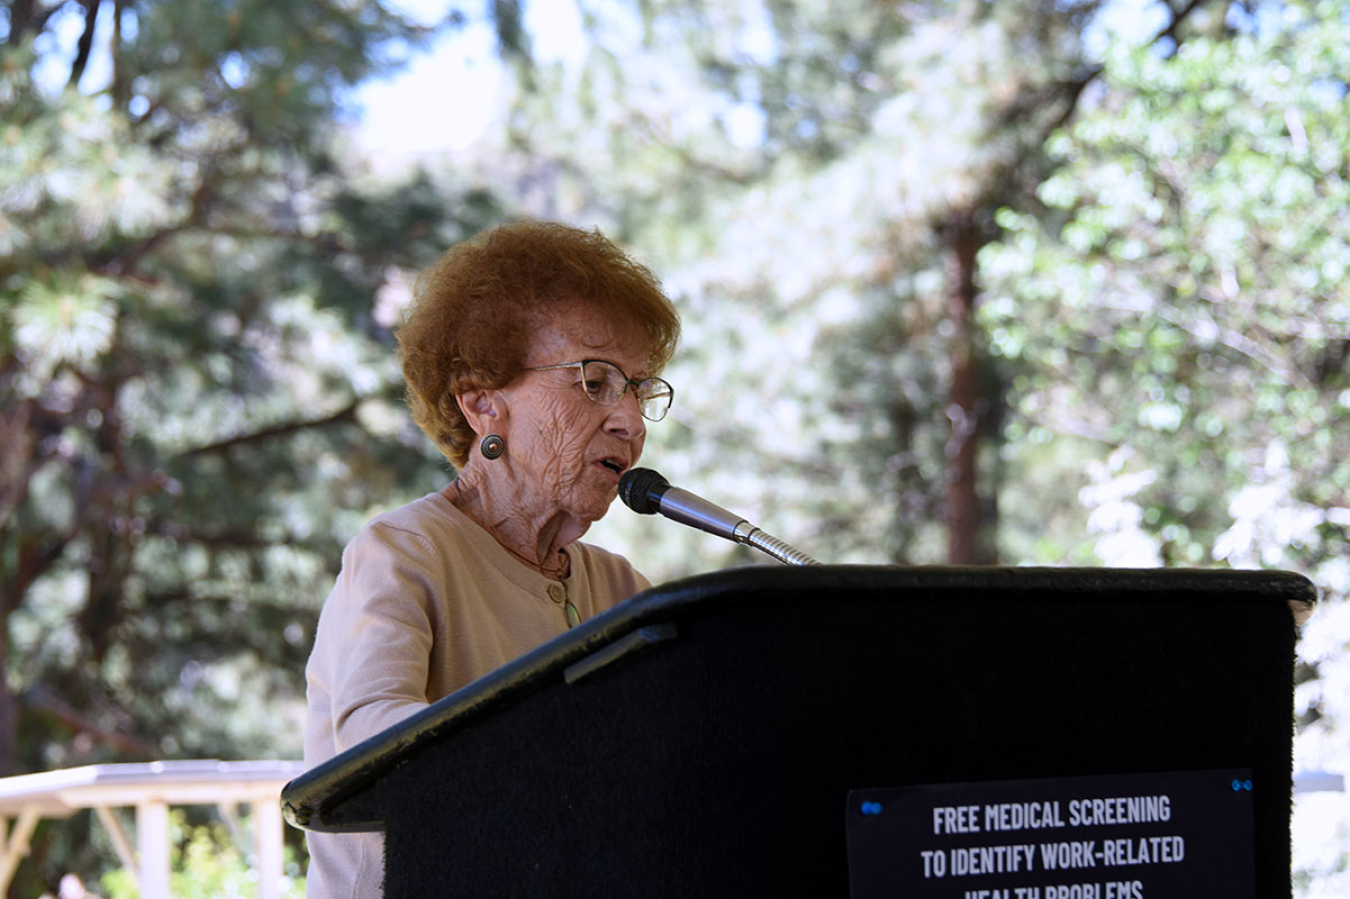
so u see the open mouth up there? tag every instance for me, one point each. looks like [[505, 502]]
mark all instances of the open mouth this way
[[613, 465]]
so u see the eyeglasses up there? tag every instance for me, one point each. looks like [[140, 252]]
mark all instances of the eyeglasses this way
[[606, 383]]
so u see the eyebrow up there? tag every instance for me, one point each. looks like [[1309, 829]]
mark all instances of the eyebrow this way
[[634, 377]]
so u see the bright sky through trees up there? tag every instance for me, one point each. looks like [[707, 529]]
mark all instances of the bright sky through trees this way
[[446, 97]]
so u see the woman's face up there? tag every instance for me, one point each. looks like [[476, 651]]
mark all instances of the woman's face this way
[[567, 450]]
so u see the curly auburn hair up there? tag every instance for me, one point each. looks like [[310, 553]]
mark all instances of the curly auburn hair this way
[[474, 309]]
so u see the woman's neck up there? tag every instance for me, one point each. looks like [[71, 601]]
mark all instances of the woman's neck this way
[[534, 536]]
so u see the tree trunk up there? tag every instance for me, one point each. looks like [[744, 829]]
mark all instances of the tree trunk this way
[[85, 45], [20, 15], [966, 544], [9, 711]]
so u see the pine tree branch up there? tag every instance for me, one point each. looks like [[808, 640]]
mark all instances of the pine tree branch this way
[[43, 700], [345, 414], [224, 539], [86, 41], [123, 264], [1179, 17], [1072, 91], [203, 197], [661, 135], [33, 560]]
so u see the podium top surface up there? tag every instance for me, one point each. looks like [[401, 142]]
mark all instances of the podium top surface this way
[[309, 800]]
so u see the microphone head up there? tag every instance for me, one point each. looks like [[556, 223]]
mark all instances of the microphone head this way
[[641, 489]]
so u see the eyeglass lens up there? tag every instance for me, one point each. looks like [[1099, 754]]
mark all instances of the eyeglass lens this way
[[606, 384]]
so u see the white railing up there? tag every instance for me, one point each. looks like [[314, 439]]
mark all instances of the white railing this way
[[150, 788]]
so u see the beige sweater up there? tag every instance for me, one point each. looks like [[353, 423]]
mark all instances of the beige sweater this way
[[426, 602]]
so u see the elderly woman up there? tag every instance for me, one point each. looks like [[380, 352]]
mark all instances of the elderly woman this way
[[530, 356]]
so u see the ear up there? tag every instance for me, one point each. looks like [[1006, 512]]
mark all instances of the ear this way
[[485, 410]]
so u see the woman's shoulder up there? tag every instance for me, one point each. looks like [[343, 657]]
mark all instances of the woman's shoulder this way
[[608, 566], [427, 521], [422, 513], [425, 538]]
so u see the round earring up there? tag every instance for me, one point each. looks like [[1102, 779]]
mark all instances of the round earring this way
[[492, 446]]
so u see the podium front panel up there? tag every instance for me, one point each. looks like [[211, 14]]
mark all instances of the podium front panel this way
[[718, 762]]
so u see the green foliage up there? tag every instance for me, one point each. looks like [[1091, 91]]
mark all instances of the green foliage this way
[[794, 171], [1161, 333], [1175, 304], [199, 401], [1181, 296]]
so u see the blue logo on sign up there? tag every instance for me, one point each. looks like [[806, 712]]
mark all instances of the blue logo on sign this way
[[871, 808], [1242, 785]]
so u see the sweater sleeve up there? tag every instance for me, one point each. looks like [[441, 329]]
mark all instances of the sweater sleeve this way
[[375, 632]]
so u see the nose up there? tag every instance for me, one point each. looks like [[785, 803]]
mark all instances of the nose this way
[[625, 418]]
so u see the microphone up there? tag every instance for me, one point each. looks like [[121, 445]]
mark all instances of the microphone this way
[[647, 493]]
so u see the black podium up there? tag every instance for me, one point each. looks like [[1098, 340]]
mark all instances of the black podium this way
[[704, 738]]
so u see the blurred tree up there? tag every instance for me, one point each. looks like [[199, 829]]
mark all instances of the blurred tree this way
[[902, 234], [198, 395], [823, 174], [1178, 306]]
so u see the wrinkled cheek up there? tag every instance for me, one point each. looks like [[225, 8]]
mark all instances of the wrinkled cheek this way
[[556, 471], [565, 456]]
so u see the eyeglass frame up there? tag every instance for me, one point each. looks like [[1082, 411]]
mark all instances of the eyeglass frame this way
[[637, 385]]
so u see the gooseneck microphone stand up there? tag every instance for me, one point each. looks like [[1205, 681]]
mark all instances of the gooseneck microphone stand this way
[[647, 493]]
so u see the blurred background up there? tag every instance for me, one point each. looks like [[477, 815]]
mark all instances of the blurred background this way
[[1026, 282]]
